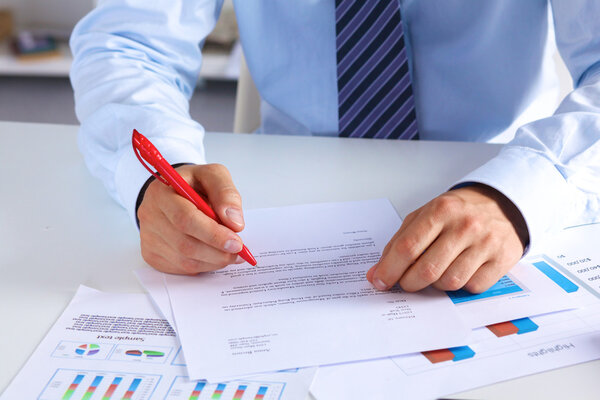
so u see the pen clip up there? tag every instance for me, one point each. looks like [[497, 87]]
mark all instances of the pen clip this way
[[137, 137]]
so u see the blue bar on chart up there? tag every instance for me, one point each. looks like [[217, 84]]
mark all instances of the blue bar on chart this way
[[262, 391], [132, 388], [462, 353], [504, 286], [525, 325], [73, 387], [197, 390], [218, 391], [556, 276]]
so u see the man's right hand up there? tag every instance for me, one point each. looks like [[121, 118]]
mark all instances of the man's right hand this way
[[178, 238]]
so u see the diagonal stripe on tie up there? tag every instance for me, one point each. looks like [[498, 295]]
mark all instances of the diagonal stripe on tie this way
[[375, 97]]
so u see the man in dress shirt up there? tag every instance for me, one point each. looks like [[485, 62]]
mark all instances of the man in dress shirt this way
[[481, 71]]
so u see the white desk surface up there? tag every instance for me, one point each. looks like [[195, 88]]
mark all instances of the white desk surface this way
[[59, 228]]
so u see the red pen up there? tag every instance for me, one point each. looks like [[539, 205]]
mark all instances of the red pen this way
[[145, 150]]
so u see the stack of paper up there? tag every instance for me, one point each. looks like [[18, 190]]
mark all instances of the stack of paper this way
[[308, 304]]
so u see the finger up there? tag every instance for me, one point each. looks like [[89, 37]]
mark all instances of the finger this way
[[162, 257], [432, 264], [404, 251], [485, 277], [405, 224], [407, 221], [461, 269], [222, 194], [188, 246], [183, 216]]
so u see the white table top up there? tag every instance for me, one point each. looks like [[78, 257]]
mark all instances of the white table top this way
[[59, 228]]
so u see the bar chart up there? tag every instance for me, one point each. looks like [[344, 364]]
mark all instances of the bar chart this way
[[183, 388], [503, 339], [106, 385], [506, 285]]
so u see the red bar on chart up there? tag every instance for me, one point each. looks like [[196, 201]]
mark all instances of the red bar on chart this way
[[239, 393], [503, 329], [261, 393], [111, 389], [437, 356]]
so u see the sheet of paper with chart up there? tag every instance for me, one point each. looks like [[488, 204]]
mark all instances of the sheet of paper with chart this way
[[499, 351], [116, 346], [526, 290], [308, 302]]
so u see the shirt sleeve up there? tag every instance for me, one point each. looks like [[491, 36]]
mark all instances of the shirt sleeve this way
[[136, 63], [551, 169]]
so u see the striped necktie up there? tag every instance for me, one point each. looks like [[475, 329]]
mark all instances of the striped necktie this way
[[375, 98]]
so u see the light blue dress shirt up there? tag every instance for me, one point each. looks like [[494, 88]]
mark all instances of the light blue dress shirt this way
[[482, 71]]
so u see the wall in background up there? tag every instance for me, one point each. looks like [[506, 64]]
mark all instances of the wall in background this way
[[51, 14]]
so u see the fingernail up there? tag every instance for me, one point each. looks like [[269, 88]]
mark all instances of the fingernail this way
[[239, 260], [233, 246], [235, 216], [379, 285]]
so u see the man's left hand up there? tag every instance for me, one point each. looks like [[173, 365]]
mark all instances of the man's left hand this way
[[466, 238]]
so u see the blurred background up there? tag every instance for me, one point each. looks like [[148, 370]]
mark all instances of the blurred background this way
[[35, 61]]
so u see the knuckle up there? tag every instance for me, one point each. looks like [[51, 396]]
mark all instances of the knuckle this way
[[471, 225], [231, 194], [476, 286], [185, 247], [428, 272], [182, 221], [451, 283], [407, 246], [217, 169], [444, 205], [189, 266]]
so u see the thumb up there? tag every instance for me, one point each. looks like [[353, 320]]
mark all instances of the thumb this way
[[222, 194]]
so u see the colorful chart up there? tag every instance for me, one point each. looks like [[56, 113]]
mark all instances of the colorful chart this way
[[262, 391], [451, 354], [517, 326], [92, 388], [68, 384], [147, 353], [197, 390], [239, 393], [504, 286], [73, 387], [218, 391], [111, 389], [132, 388], [87, 349], [183, 388], [556, 277]]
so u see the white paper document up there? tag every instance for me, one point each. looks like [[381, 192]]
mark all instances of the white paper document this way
[[545, 342], [501, 351], [116, 346], [307, 302]]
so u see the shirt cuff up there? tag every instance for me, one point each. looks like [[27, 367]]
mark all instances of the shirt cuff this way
[[131, 175], [533, 184]]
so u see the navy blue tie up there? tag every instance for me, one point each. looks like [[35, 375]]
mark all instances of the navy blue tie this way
[[375, 97]]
